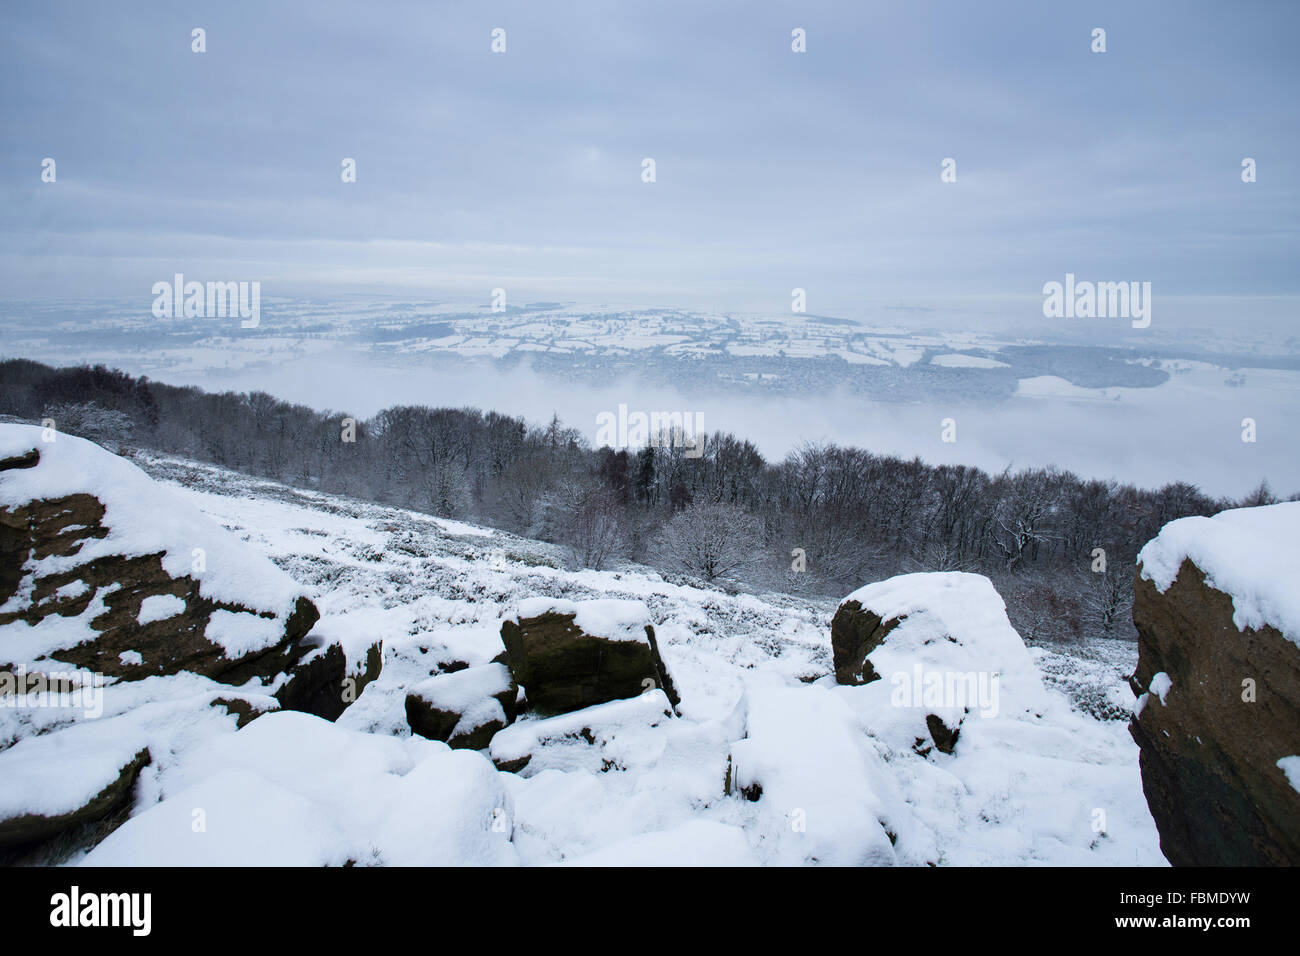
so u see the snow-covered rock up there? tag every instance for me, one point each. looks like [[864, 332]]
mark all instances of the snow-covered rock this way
[[291, 789], [87, 538], [572, 654], [464, 708], [943, 646], [615, 734], [1217, 611], [108, 578], [825, 797]]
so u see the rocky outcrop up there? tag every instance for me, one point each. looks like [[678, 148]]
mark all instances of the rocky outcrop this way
[[569, 655], [127, 642], [105, 574], [1218, 676], [464, 708], [103, 570]]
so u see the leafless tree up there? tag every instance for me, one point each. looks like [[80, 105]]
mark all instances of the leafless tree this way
[[710, 539]]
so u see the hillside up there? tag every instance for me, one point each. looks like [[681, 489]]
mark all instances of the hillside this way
[[1048, 785]]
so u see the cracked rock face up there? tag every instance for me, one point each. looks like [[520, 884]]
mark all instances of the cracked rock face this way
[[1218, 708]]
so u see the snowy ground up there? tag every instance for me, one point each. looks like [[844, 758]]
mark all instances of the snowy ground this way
[[1044, 783]]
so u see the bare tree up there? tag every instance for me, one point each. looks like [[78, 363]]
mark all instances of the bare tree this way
[[593, 527], [1024, 515], [711, 539], [1107, 599]]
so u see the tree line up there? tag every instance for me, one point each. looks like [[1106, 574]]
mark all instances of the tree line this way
[[823, 520]]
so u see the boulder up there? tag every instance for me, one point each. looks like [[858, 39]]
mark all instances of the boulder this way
[[573, 654], [943, 646], [464, 708], [818, 791], [610, 737], [1218, 679], [104, 570], [325, 682], [74, 793]]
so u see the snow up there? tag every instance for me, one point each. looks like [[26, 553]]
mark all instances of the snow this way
[[470, 693], [621, 731], [624, 782], [59, 773], [1055, 387], [1160, 686], [1250, 554], [820, 792], [1291, 767], [235, 818], [614, 620], [694, 843], [52, 773], [461, 690], [960, 360], [295, 790], [239, 632], [159, 607], [142, 518]]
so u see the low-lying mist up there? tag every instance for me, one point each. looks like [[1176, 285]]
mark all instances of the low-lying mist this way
[[1189, 429]]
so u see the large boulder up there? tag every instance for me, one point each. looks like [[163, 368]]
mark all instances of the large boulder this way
[[943, 645], [1217, 611], [573, 654], [108, 572]]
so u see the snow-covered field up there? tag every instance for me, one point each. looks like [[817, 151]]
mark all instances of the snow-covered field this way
[[1036, 782]]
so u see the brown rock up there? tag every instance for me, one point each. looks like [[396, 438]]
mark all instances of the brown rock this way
[[62, 526], [59, 526], [856, 632], [323, 686], [1208, 757], [563, 669], [944, 737], [463, 708]]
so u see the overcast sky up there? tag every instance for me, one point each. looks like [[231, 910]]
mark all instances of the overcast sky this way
[[774, 169]]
